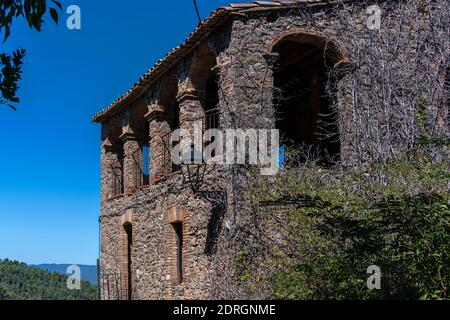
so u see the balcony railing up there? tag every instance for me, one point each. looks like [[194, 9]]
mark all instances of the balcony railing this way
[[111, 287], [167, 164], [211, 120]]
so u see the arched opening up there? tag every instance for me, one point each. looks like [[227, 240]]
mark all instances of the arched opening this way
[[305, 113], [117, 161], [169, 102], [141, 157], [204, 79]]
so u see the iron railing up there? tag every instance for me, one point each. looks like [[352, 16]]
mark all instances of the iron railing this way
[[168, 165], [111, 286], [211, 120]]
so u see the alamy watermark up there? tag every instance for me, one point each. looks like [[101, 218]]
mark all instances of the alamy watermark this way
[[259, 147], [374, 280], [73, 22], [374, 20], [74, 279]]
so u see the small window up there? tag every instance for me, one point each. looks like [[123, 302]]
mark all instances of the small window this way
[[129, 248], [146, 154], [178, 228]]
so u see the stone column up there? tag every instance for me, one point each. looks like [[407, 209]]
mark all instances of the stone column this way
[[130, 146], [191, 109], [159, 129]]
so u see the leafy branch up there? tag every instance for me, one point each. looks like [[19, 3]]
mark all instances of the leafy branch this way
[[10, 75], [11, 64]]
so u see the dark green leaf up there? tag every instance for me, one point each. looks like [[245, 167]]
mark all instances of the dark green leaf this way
[[54, 15]]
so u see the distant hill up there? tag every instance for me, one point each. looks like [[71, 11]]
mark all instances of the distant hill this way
[[88, 272], [21, 282]]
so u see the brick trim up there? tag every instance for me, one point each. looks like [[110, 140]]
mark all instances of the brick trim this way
[[177, 214], [126, 220]]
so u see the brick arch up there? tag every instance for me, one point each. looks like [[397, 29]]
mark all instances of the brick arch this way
[[126, 217], [168, 91], [315, 38], [167, 99], [176, 214], [137, 122], [112, 130], [201, 67]]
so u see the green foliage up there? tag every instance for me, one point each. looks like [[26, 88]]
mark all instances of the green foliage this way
[[434, 141], [10, 75], [3, 294], [424, 138], [11, 71], [20, 282], [32, 10], [335, 224]]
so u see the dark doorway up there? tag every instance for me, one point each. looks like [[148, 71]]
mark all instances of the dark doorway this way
[[305, 117]]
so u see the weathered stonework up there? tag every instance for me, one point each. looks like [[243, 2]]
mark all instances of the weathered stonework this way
[[242, 50]]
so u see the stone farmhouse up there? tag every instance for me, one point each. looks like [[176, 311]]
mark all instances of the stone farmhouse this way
[[343, 76]]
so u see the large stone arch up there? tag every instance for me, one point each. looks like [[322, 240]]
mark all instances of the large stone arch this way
[[305, 91], [202, 63], [167, 101], [312, 37], [137, 124]]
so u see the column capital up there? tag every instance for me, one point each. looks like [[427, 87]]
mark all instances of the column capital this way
[[158, 114], [108, 146], [190, 94], [129, 136]]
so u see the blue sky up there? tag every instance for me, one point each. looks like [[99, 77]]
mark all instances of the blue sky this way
[[49, 160]]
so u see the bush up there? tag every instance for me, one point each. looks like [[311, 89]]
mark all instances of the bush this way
[[327, 226]]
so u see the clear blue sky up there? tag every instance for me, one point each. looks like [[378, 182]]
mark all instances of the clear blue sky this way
[[49, 160]]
